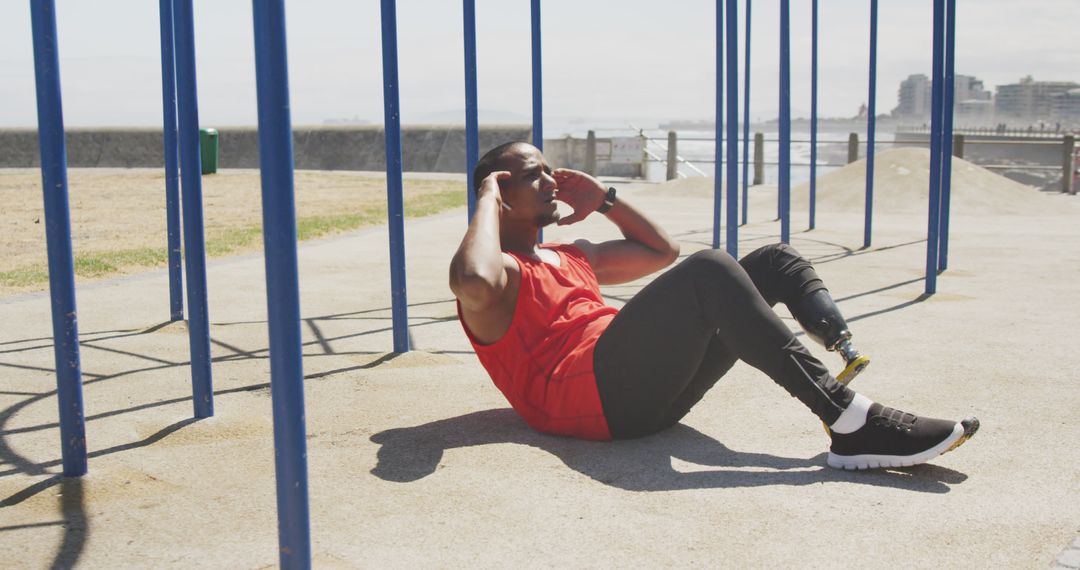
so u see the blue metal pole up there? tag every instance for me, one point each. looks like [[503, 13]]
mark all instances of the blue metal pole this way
[[947, 131], [718, 156], [784, 198], [194, 244], [472, 130], [937, 78], [537, 88], [282, 283], [172, 158], [732, 128], [394, 200], [746, 121], [813, 112], [54, 187], [537, 81], [194, 247], [871, 123]]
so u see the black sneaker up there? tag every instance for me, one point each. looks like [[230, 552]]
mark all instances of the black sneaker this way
[[891, 438]]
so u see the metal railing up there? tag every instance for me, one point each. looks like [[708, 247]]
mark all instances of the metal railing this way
[[660, 151], [669, 151], [1030, 131]]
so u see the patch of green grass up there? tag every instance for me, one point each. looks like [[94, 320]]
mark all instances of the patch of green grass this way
[[25, 276], [311, 227], [101, 263], [223, 241], [428, 204]]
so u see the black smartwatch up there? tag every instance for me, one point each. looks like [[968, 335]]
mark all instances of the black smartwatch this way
[[609, 201]]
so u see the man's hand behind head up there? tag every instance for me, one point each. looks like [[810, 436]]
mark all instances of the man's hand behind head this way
[[580, 191], [490, 185]]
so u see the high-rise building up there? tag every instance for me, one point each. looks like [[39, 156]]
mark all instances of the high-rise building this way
[[913, 98], [1066, 107], [972, 103], [1031, 100], [970, 97], [967, 88]]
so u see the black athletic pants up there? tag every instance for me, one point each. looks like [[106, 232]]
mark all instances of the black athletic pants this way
[[681, 333]]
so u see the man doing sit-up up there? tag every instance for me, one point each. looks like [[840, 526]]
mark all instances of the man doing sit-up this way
[[572, 366]]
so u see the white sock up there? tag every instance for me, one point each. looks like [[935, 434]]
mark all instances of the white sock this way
[[854, 416]]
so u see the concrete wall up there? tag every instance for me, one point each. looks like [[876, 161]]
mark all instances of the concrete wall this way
[[424, 148], [570, 153]]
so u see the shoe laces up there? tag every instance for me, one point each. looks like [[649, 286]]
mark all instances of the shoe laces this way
[[895, 419]]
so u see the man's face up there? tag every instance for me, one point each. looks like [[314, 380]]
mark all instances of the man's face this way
[[530, 190]]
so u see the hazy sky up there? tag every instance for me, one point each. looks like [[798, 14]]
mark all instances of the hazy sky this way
[[605, 60]]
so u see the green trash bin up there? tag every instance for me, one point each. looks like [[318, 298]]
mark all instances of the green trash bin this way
[[208, 142]]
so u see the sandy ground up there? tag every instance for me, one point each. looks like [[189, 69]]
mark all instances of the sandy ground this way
[[415, 460], [114, 208]]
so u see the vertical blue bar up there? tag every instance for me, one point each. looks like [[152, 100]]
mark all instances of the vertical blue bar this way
[[718, 156], [172, 182], [871, 123], [282, 283], [537, 89], [937, 79], [813, 112], [194, 244], [784, 190], [947, 132], [395, 207], [472, 130], [537, 81], [746, 121], [732, 128], [54, 187]]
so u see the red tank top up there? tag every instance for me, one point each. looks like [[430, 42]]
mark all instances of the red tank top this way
[[543, 365]]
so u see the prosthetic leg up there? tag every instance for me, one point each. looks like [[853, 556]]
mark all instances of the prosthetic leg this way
[[821, 319]]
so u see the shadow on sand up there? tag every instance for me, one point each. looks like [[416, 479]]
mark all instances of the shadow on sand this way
[[73, 523], [412, 453]]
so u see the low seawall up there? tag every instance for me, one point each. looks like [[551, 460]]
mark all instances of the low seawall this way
[[424, 148]]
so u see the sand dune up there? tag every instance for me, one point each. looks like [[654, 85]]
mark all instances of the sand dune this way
[[902, 184]]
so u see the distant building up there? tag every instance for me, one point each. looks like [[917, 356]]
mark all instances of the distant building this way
[[974, 112], [971, 99], [1031, 100], [1066, 108], [967, 88], [973, 104], [913, 98]]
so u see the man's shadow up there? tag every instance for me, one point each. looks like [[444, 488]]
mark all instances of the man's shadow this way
[[412, 453]]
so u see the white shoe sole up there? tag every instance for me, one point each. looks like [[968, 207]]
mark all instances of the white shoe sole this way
[[871, 461]]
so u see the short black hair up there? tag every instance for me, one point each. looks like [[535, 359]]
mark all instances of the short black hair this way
[[492, 161]]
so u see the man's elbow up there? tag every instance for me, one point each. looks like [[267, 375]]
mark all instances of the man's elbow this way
[[672, 253]]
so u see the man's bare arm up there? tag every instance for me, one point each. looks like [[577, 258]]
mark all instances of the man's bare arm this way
[[478, 271], [646, 247]]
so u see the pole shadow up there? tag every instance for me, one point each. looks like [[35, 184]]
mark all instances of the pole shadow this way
[[74, 524], [409, 454]]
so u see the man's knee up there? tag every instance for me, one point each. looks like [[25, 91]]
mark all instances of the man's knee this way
[[711, 258], [774, 254], [713, 267]]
